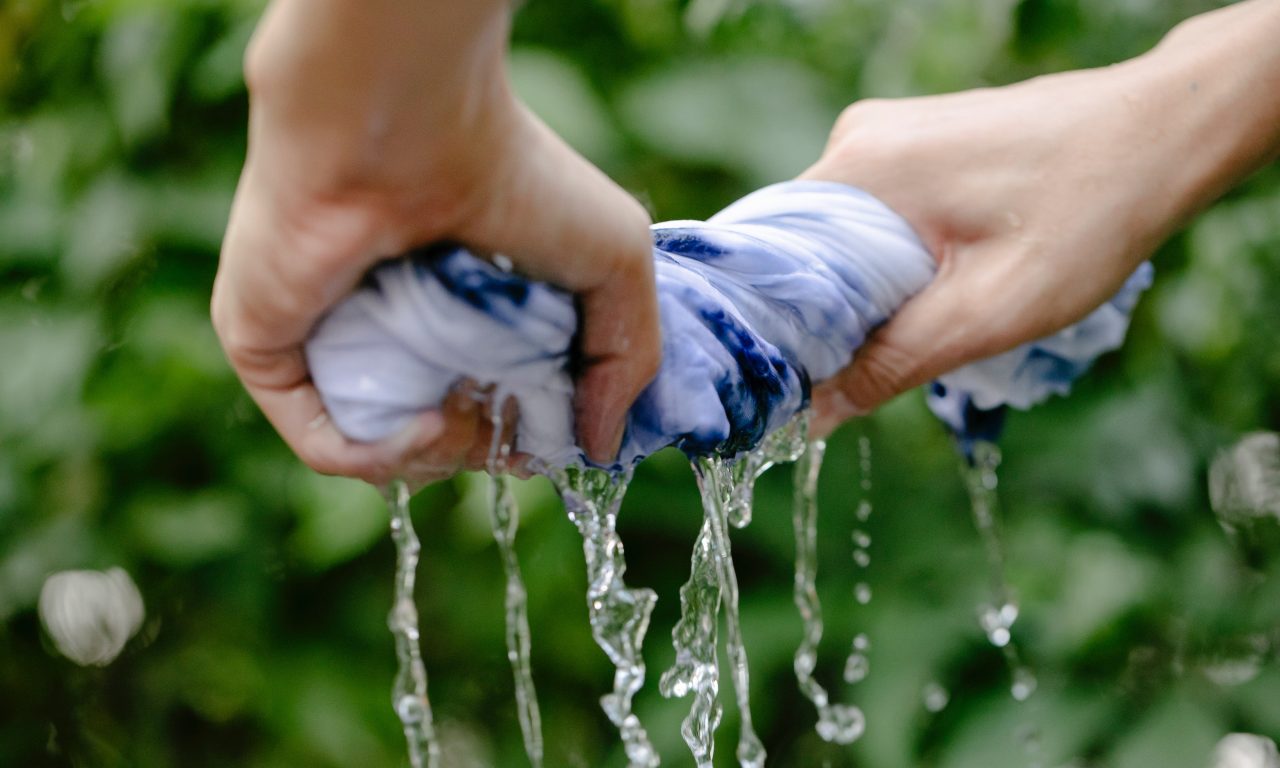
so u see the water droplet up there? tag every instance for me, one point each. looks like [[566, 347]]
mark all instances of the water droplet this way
[[935, 697], [856, 668], [1024, 684], [841, 724], [862, 592], [411, 709], [861, 558], [861, 642], [861, 539]]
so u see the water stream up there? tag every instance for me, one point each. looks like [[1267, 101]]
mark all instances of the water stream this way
[[504, 518], [722, 488], [409, 691], [619, 615], [727, 490], [839, 723], [504, 514]]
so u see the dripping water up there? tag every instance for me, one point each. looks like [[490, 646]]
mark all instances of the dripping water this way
[[504, 516], [858, 664], [409, 692], [619, 615], [727, 489], [720, 485], [839, 723], [996, 618], [694, 638]]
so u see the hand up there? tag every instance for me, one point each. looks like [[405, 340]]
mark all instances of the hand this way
[[381, 125], [1039, 199]]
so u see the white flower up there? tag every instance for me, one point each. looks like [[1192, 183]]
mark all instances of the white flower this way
[[1243, 750], [91, 614]]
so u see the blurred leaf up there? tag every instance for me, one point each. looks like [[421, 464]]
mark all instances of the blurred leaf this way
[[219, 72], [1177, 733], [762, 117], [556, 90], [932, 46], [56, 542], [1102, 580], [185, 530], [46, 357], [138, 57], [338, 518], [104, 232]]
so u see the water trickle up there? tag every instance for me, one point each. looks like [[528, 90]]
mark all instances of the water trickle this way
[[996, 618], [409, 692], [838, 723], [784, 445], [694, 638], [721, 486], [857, 666], [504, 514], [619, 615], [504, 518]]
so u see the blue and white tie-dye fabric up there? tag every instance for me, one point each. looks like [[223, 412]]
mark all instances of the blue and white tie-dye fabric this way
[[767, 297]]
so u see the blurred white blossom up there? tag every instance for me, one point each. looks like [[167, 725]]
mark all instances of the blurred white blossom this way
[[1244, 750], [91, 614], [1244, 481]]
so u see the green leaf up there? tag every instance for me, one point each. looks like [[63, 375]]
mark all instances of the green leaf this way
[[185, 530], [338, 518]]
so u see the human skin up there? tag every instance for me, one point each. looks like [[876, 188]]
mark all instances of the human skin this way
[[380, 125], [1039, 199]]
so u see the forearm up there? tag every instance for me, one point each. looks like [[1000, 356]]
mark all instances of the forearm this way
[[1214, 87], [357, 81]]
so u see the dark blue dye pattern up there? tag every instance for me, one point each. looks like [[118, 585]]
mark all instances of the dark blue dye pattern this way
[[967, 423], [1054, 368], [751, 397], [475, 281], [688, 243]]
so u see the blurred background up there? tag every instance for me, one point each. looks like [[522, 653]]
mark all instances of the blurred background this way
[[126, 442]]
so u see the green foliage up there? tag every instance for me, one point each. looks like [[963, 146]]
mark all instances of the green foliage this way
[[125, 440]]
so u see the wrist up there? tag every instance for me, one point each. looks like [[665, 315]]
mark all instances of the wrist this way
[[1214, 83], [380, 98]]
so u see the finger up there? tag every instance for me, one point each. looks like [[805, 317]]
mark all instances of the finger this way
[[570, 225], [299, 416], [283, 264], [934, 332]]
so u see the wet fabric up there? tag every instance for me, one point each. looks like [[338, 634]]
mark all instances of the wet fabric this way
[[758, 303]]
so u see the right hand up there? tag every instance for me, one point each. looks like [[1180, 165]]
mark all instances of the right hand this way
[[367, 137]]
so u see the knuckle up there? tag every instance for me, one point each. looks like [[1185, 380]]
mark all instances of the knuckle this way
[[857, 116], [876, 376]]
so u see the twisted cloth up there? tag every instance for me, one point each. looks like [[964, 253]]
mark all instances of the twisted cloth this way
[[758, 303]]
